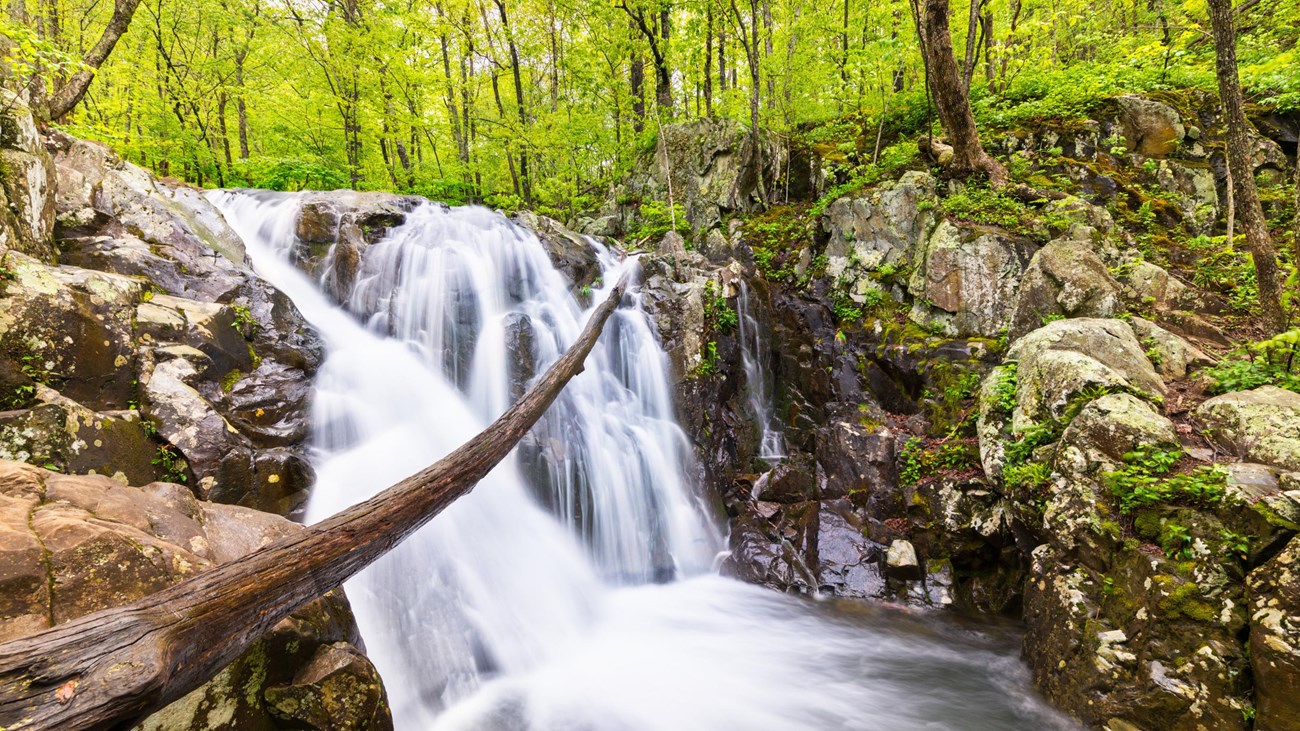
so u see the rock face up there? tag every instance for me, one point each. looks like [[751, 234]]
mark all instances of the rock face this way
[[75, 545], [965, 280], [709, 166], [26, 183], [153, 351], [1275, 640]]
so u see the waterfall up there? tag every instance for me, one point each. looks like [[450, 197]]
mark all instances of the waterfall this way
[[758, 380], [572, 588]]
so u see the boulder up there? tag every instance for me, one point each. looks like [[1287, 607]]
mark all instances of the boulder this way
[[572, 254], [965, 279], [1150, 127], [72, 545], [1061, 360], [335, 228], [72, 328], [1064, 279], [1260, 425], [1274, 590], [1172, 356]]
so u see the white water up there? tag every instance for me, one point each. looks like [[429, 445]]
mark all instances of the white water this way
[[502, 614], [758, 380]]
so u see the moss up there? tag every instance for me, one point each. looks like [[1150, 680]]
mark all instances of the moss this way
[[1184, 601], [230, 379]]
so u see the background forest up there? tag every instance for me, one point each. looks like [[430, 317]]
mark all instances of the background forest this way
[[545, 103]]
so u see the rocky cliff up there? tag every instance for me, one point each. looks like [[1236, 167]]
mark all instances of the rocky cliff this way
[[139, 349], [1007, 406]]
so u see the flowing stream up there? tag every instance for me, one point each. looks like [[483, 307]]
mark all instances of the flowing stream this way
[[573, 589]]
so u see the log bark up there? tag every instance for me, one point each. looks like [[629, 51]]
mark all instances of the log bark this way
[[1246, 196], [108, 669], [70, 93]]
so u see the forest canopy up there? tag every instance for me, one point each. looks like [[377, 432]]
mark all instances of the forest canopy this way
[[545, 103]]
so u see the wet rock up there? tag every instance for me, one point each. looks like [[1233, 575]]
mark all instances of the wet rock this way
[[848, 563], [793, 480], [102, 195], [901, 561], [1275, 640], [73, 545], [64, 434], [969, 278], [72, 328], [570, 253], [1064, 279], [334, 229], [1150, 127], [1262, 425], [335, 691]]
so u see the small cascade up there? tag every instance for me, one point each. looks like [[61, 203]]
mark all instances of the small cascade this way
[[571, 589], [759, 380]]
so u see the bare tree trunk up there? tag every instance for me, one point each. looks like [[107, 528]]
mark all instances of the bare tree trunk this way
[[108, 669], [70, 93], [950, 98], [708, 61], [972, 47], [1238, 143], [520, 107]]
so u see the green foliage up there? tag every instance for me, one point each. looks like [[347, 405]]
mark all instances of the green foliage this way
[[1031, 475], [977, 204], [777, 237], [172, 467], [1005, 388], [845, 309], [708, 364], [230, 379], [655, 220], [1274, 361], [244, 321], [1144, 480], [893, 160], [718, 315], [920, 460]]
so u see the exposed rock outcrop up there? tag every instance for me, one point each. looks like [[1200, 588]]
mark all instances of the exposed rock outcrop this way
[[153, 351]]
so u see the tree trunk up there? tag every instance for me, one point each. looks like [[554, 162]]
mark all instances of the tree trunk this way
[[950, 98], [708, 61], [70, 93], [972, 47], [1238, 143], [108, 669]]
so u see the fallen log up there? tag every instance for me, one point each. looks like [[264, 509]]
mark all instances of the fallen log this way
[[109, 669]]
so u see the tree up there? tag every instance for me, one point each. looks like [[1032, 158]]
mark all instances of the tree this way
[[107, 669], [1245, 194], [70, 93], [950, 97]]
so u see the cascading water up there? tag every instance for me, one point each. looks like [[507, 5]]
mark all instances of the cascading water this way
[[758, 379], [528, 604]]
